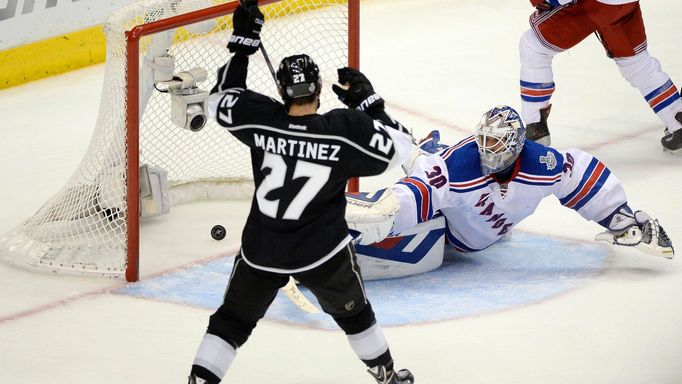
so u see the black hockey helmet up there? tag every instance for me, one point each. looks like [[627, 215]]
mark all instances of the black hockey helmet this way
[[298, 77]]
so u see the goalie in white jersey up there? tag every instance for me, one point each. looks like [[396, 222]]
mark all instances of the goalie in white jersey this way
[[489, 182]]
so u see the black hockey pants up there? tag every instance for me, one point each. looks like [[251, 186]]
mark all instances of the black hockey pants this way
[[337, 285]]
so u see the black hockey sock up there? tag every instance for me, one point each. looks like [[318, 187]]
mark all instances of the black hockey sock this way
[[384, 359]]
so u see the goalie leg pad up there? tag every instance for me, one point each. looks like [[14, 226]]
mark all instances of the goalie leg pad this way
[[417, 250]]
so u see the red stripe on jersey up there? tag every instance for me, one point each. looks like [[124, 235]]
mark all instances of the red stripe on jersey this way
[[596, 174], [425, 198], [448, 152], [539, 178], [470, 183]]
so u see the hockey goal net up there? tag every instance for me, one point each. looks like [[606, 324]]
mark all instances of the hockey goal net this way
[[91, 225]]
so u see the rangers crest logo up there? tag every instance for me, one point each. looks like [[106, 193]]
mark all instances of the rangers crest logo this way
[[549, 160]]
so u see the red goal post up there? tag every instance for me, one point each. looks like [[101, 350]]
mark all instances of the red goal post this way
[[133, 37]]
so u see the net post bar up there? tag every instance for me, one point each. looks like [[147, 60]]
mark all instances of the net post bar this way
[[132, 155], [354, 59], [354, 34]]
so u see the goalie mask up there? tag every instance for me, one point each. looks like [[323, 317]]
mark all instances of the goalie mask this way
[[500, 136], [298, 77]]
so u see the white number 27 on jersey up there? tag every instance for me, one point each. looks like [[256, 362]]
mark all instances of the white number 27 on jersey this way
[[317, 177], [379, 141]]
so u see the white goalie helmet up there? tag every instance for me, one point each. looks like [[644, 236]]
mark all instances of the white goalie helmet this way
[[500, 136]]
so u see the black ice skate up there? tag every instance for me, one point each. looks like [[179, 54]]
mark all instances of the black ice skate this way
[[192, 379], [382, 376], [672, 141], [539, 132]]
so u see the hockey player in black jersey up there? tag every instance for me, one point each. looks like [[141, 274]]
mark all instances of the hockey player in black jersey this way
[[301, 163]]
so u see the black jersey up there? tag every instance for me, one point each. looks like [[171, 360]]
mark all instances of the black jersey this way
[[301, 165]]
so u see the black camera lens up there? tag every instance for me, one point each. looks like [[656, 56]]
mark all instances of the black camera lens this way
[[197, 123]]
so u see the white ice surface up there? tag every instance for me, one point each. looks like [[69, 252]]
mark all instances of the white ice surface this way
[[439, 64]]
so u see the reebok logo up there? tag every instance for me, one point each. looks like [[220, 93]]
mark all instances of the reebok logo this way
[[298, 127], [11, 9]]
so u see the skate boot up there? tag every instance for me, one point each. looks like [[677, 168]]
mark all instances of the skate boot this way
[[384, 376], [539, 132], [672, 141], [192, 379]]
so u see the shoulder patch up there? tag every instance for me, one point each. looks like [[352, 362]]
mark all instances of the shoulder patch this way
[[549, 160], [536, 159]]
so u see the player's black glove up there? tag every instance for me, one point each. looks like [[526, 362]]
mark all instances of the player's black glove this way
[[360, 93], [248, 22]]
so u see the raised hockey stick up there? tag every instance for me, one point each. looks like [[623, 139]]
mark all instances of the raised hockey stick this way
[[245, 4], [267, 60], [296, 297]]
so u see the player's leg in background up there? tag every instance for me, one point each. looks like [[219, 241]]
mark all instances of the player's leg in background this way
[[551, 32], [337, 284], [248, 295], [625, 41]]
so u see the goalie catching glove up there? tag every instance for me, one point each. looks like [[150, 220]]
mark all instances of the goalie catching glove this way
[[248, 22], [371, 215], [637, 230], [360, 93]]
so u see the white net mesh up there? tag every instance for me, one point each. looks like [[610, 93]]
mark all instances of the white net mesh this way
[[83, 227]]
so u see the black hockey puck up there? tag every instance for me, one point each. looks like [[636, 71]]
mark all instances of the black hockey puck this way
[[218, 232]]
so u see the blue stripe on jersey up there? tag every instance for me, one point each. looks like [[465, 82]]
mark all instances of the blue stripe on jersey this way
[[422, 197], [659, 90], [674, 97], [595, 189], [586, 176], [528, 84], [456, 243], [470, 189], [555, 3], [540, 183]]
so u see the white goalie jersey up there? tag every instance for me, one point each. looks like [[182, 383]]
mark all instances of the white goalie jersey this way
[[479, 210]]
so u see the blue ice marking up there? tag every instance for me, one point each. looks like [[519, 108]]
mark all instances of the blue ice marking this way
[[522, 270]]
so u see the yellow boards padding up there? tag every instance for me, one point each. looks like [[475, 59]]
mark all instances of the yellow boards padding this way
[[52, 56]]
